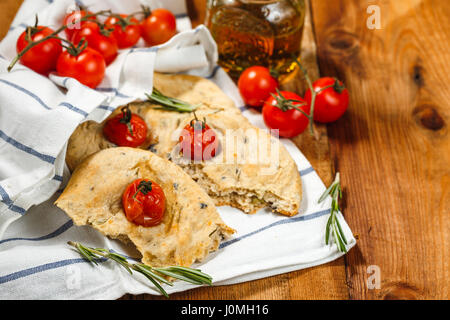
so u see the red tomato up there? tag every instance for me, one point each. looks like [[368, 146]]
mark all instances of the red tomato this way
[[88, 67], [158, 27], [105, 45], [280, 115], [331, 103], [126, 31], [255, 85], [198, 141], [126, 129], [42, 57], [144, 202], [72, 23]]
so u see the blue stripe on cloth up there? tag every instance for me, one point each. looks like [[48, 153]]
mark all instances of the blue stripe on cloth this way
[[73, 108], [151, 49], [66, 226], [58, 178], [181, 15], [284, 221], [116, 92], [306, 171], [31, 94], [23, 25], [243, 108], [107, 108], [26, 149], [7, 200], [213, 73], [37, 269]]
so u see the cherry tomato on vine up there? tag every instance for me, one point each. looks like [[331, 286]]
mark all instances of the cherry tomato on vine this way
[[88, 66], [98, 40], [72, 23], [158, 27], [126, 30], [331, 100], [255, 85], [126, 129], [198, 141], [42, 57], [281, 113], [144, 202]]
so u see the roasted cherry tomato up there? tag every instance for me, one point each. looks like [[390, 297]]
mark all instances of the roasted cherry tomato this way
[[158, 27], [144, 202], [71, 20], [280, 113], [42, 57], [97, 39], [126, 30], [88, 67], [198, 141], [255, 85], [126, 129], [331, 99]]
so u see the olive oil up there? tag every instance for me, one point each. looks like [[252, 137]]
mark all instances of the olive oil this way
[[252, 32]]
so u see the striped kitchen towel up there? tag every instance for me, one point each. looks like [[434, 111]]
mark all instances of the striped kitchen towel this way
[[37, 116]]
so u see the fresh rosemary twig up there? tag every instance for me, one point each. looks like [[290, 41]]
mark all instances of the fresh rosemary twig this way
[[168, 103], [333, 226], [155, 275]]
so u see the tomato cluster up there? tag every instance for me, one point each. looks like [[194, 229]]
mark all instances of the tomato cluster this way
[[91, 44], [286, 111]]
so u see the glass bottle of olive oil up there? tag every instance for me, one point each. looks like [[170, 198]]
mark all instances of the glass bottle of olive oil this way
[[256, 32]]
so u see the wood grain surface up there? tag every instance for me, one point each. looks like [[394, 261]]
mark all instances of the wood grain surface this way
[[392, 149], [393, 146]]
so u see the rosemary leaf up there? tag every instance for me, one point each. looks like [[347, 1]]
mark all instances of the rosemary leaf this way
[[155, 275], [168, 103], [146, 269], [340, 230], [333, 226], [187, 278]]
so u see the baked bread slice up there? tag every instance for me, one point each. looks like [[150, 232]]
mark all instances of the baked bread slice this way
[[191, 227], [253, 169]]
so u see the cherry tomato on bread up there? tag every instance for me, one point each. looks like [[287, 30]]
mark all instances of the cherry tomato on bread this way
[[144, 202], [126, 129], [158, 27], [255, 85], [280, 113], [331, 100], [198, 141], [42, 57]]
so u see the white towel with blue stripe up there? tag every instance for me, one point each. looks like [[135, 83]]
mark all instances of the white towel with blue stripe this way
[[38, 115]]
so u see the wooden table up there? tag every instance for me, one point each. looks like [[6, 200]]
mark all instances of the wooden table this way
[[392, 149]]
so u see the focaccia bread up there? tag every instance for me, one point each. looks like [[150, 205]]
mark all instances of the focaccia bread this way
[[254, 172], [191, 227]]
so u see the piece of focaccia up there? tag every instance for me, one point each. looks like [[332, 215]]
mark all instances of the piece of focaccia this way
[[191, 227], [252, 170]]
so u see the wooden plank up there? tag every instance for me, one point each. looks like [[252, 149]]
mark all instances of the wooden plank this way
[[392, 147], [8, 9]]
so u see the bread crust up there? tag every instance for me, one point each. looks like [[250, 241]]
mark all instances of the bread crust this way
[[239, 182], [191, 227]]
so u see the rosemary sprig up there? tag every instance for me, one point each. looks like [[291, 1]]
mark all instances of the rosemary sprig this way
[[333, 226], [168, 103], [155, 275]]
